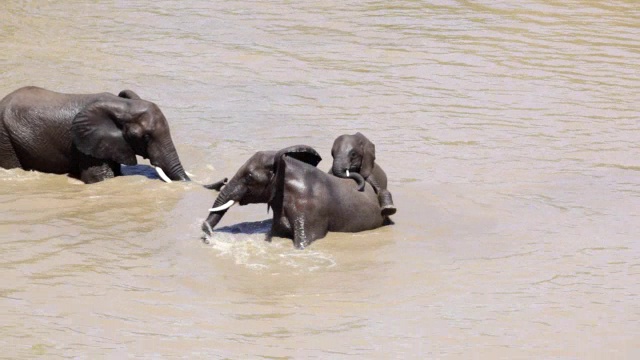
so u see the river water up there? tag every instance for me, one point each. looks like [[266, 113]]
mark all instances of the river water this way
[[510, 132]]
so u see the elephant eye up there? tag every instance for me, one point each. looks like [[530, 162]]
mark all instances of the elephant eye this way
[[146, 137], [352, 154]]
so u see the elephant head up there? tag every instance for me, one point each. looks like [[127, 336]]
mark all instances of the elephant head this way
[[118, 129], [353, 157], [254, 182]]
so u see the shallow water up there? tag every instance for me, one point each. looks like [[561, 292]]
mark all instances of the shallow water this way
[[509, 132]]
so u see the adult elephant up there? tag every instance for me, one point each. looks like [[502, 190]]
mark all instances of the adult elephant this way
[[254, 182], [86, 136], [307, 203]]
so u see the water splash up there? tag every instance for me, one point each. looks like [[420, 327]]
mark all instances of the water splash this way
[[245, 244]]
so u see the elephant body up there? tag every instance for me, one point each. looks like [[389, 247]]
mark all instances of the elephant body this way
[[86, 136], [306, 202], [309, 203], [354, 157]]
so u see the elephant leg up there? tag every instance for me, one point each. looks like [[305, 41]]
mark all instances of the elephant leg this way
[[386, 203], [281, 227], [300, 234], [306, 231], [271, 233], [8, 157], [374, 184], [384, 198], [94, 170]]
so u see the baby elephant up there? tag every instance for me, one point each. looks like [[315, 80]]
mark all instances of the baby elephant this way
[[354, 157]]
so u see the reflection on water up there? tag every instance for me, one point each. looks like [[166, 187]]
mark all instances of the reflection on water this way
[[509, 132]]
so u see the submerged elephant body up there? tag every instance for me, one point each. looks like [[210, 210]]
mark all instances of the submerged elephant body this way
[[309, 203], [86, 136], [306, 202]]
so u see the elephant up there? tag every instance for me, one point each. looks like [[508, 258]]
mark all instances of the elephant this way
[[307, 203], [253, 183], [354, 157], [87, 136]]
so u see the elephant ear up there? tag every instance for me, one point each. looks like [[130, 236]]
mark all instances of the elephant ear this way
[[303, 153], [368, 155], [129, 94], [97, 131]]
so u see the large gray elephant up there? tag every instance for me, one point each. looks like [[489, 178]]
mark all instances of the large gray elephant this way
[[354, 157], [306, 202], [86, 136]]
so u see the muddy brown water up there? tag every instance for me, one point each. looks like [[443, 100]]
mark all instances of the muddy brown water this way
[[509, 132]]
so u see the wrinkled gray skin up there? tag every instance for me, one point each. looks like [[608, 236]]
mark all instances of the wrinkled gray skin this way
[[306, 202], [357, 154], [86, 136], [309, 203]]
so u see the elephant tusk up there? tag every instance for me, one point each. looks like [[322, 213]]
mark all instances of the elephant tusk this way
[[223, 207], [347, 173], [188, 174], [162, 175]]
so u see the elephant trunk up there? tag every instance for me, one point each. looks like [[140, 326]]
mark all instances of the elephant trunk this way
[[345, 173], [212, 220], [227, 198], [176, 172], [168, 165]]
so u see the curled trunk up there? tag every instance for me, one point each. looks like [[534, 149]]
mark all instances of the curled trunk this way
[[350, 175]]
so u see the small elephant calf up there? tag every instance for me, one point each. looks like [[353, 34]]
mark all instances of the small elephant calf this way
[[354, 157]]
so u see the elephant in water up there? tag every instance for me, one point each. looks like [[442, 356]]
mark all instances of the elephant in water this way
[[306, 202], [354, 157], [86, 136]]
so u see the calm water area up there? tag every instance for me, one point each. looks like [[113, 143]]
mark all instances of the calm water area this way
[[509, 130]]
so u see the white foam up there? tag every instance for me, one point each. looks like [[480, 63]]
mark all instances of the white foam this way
[[249, 249]]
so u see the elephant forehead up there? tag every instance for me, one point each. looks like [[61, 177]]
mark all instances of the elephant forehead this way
[[254, 167], [148, 120], [345, 147], [150, 115], [260, 161]]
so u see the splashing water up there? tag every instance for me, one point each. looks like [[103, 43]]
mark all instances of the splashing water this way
[[245, 244]]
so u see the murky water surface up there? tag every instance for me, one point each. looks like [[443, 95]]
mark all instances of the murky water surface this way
[[510, 132]]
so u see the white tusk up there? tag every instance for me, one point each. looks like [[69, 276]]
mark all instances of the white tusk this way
[[223, 207], [188, 174], [162, 175], [347, 173]]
